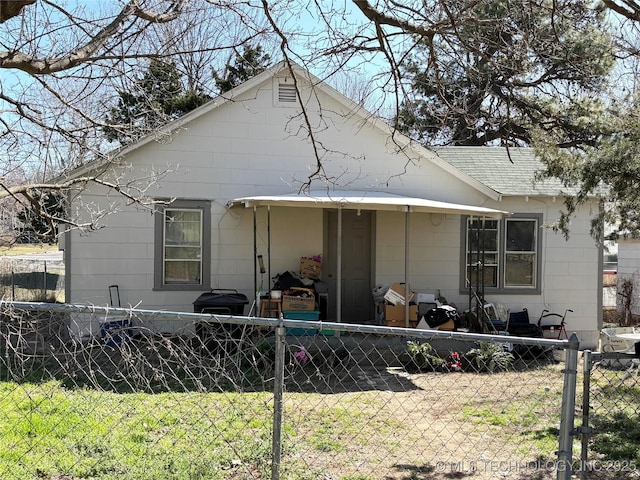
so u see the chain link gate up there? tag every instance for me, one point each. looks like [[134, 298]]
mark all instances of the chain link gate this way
[[279, 399], [610, 428]]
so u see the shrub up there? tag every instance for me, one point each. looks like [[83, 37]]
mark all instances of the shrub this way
[[489, 357], [423, 357]]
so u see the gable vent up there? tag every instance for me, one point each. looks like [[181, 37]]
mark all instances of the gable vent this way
[[286, 93]]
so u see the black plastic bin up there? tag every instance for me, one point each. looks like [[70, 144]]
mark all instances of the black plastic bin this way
[[220, 336], [221, 301]]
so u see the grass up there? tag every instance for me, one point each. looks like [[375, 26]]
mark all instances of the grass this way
[[615, 417], [52, 432], [25, 249], [61, 430], [25, 281], [48, 431], [523, 418]]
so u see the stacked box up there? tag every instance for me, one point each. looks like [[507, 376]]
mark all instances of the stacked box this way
[[394, 315], [395, 294], [298, 304], [310, 268]]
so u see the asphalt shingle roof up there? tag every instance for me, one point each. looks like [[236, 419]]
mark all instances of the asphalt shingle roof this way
[[511, 172]]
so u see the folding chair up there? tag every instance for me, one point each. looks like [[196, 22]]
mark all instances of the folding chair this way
[[557, 322]]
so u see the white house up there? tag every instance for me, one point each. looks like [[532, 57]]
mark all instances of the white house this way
[[244, 178]]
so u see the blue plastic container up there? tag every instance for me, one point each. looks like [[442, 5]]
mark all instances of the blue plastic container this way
[[312, 315], [115, 332]]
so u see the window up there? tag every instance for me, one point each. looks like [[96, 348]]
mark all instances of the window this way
[[502, 254], [482, 249], [520, 253], [182, 247]]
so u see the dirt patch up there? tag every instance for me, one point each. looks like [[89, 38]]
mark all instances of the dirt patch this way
[[436, 426]]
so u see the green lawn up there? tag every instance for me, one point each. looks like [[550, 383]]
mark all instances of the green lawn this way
[[48, 431], [24, 249], [53, 432]]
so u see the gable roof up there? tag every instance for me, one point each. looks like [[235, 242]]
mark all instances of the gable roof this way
[[510, 172], [403, 142]]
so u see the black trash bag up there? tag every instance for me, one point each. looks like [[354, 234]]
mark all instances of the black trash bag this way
[[287, 280], [441, 315]]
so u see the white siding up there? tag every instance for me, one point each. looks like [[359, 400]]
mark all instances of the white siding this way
[[250, 147]]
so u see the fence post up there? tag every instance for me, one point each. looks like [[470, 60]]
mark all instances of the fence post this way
[[585, 429], [565, 437], [278, 388], [44, 285]]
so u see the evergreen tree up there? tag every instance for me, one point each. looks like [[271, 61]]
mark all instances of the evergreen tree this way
[[610, 170], [247, 64], [505, 68], [39, 224], [155, 99]]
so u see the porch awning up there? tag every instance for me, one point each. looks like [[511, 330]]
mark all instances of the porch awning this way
[[356, 200], [365, 200]]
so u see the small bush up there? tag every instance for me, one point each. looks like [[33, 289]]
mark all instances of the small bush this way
[[489, 357], [423, 357]]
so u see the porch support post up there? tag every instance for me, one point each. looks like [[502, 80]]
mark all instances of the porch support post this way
[[339, 269], [269, 246], [406, 266], [255, 264]]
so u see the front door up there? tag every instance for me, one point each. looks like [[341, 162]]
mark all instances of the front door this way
[[357, 303]]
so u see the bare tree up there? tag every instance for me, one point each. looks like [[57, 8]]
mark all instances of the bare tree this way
[[63, 67], [57, 59]]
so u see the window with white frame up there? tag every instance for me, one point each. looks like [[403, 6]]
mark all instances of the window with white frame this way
[[182, 256], [520, 252], [503, 254]]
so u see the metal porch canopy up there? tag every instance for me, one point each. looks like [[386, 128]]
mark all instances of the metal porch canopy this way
[[364, 200], [357, 200]]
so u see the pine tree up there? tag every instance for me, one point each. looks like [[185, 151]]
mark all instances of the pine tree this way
[[508, 67], [155, 99], [40, 224], [247, 64]]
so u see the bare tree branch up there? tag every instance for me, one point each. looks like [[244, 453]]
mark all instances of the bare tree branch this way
[[65, 66], [84, 53], [626, 8]]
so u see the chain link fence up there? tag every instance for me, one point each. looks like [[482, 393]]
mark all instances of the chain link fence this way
[[31, 280], [610, 427], [103, 393]]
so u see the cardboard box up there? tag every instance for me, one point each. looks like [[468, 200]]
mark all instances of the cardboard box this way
[[449, 326], [399, 324], [305, 304], [395, 314], [395, 294], [310, 268]]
